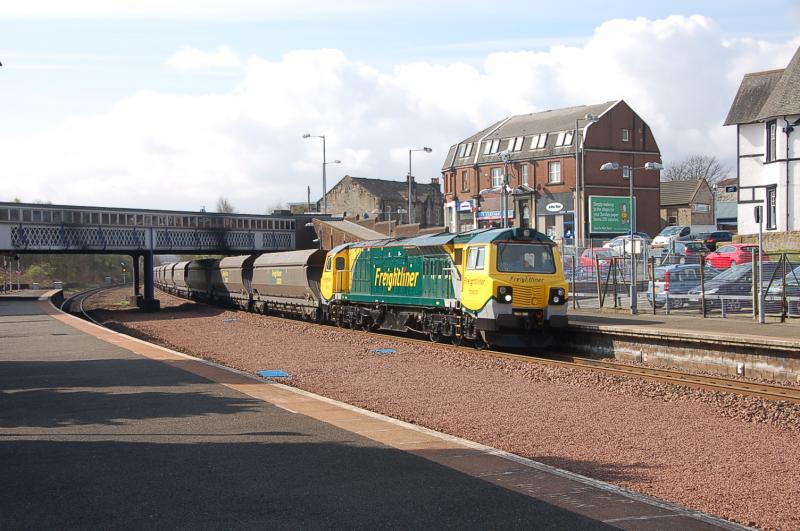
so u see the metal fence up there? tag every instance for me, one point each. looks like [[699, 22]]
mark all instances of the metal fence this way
[[688, 282]]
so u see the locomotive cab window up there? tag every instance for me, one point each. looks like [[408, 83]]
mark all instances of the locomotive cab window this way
[[475, 258], [525, 258], [340, 263], [328, 264]]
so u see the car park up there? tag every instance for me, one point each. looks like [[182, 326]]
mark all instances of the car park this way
[[732, 289], [733, 254], [713, 239], [673, 283], [782, 288]]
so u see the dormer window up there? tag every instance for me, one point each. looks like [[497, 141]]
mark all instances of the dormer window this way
[[538, 141], [564, 138], [468, 150], [491, 146], [461, 149], [516, 145]]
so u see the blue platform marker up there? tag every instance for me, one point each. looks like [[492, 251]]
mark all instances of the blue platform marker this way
[[383, 350], [273, 374]]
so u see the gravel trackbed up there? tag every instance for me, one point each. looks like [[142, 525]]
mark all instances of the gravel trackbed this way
[[731, 456]]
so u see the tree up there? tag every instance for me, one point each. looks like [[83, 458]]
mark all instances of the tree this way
[[224, 206], [695, 167], [279, 205]]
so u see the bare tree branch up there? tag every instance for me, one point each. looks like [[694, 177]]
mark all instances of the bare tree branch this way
[[695, 167], [224, 206]]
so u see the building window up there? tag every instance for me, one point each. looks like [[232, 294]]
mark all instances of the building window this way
[[538, 141], [497, 177], [517, 144], [560, 139], [464, 181], [468, 150], [673, 220], [626, 135], [772, 212], [772, 135], [626, 172], [524, 174], [568, 138], [491, 146], [554, 172], [701, 207], [461, 149]]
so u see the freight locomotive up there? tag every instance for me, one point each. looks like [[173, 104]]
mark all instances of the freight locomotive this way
[[502, 287]]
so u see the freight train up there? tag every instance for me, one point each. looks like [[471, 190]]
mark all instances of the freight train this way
[[497, 287]]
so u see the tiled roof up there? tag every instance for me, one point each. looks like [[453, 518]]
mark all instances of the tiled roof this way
[[354, 229], [551, 122], [395, 190], [753, 93], [765, 95], [785, 97], [678, 192]]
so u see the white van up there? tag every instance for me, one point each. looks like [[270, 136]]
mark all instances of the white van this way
[[675, 233]]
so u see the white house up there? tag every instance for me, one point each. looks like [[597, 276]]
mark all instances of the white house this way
[[766, 112]]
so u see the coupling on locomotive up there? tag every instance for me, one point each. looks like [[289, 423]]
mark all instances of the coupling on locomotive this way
[[502, 287]]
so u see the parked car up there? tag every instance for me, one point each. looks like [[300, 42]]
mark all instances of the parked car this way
[[775, 292], [716, 237], [674, 280], [732, 288], [587, 259], [618, 243], [680, 233], [733, 254]]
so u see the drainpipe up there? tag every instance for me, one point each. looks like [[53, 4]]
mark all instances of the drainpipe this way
[[788, 130]]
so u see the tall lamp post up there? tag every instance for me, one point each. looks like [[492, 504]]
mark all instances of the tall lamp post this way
[[410, 188], [613, 166], [324, 163], [325, 198]]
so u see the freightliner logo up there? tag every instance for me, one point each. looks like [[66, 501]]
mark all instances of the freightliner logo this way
[[396, 277]]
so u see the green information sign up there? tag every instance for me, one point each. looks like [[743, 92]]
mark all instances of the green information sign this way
[[610, 214]]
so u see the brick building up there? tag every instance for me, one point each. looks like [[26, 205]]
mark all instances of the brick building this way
[[687, 203], [547, 150], [386, 200]]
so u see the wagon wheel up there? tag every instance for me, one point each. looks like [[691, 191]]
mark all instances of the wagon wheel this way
[[457, 340], [434, 335]]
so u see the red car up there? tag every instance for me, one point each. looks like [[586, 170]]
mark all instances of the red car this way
[[733, 254], [603, 253]]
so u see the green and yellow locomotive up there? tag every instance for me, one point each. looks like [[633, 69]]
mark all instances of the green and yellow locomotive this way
[[500, 287]]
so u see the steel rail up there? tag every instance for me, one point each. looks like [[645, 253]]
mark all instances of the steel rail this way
[[675, 377]]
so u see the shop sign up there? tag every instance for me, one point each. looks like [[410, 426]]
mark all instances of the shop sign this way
[[554, 207], [490, 214], [465, 206], [610, 214]]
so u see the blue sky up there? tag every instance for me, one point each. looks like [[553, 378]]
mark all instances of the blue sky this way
[[378, 77]]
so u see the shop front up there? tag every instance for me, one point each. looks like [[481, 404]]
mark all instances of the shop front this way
[[460, 215], [555, 215]]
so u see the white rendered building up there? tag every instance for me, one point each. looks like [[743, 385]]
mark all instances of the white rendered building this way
[[766, 112]]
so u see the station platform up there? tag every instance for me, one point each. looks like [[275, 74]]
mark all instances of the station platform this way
[[736, 329], [100, 430]]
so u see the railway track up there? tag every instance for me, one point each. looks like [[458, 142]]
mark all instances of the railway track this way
[[672, 376], [675, 377], [75, 303]]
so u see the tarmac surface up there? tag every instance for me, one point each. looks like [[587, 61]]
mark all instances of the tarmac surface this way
[[99, 431]]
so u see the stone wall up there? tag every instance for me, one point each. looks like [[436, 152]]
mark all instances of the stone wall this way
[[773, 241]]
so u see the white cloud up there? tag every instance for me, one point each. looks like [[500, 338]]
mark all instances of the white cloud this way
[[156, 149], [191, 59]]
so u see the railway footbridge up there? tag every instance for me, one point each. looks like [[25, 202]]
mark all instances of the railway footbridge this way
[[144, 233]]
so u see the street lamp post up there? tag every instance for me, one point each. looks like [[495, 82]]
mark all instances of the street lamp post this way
[[324, 163], [505, 156], [613, 166], [410, 188], [325, 198]]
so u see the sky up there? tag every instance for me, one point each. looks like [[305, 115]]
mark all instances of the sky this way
[[174, 103]]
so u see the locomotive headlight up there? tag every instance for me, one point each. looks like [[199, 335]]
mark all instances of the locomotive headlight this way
[[557, 296], [504, 294]]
